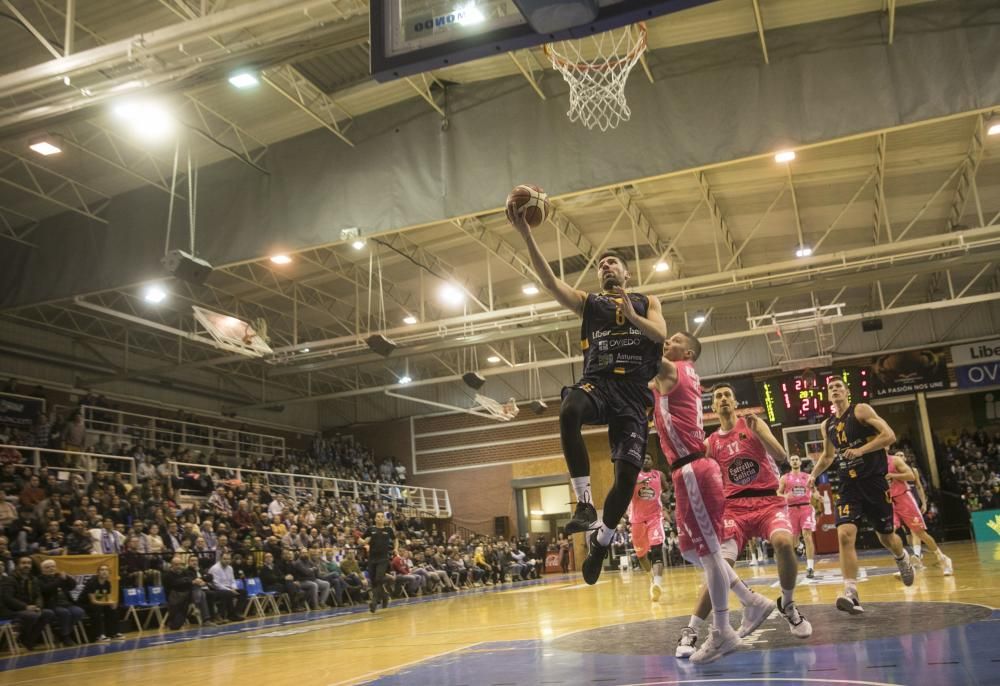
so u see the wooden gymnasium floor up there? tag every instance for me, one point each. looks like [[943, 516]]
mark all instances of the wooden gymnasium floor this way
[[941, 631]]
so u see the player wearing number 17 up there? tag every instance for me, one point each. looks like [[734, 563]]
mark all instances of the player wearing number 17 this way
[[622, 337], [857, 437]]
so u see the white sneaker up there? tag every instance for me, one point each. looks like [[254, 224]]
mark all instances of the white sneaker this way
[[849, 602], [905, 569], [655, 591], [917, 561], [686, 643], [946, 565], [797, 624], [719, 643], [754, 614]]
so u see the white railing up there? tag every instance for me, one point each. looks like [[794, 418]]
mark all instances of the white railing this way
[[86, 464], [173, 433], [432, 502]]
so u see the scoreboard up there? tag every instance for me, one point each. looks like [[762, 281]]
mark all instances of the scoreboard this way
[[801, 398]]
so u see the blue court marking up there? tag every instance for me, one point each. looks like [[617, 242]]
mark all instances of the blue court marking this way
[[154, 639], [967, 655]]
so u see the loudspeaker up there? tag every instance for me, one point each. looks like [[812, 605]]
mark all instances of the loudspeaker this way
[[551, 16], [474, 380], [873, 324], [500, 525], [186, 267], [380, 344]]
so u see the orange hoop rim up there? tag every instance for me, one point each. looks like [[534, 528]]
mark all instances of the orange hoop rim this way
[[639, 47]]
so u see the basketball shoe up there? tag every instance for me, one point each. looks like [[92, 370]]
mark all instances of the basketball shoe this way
[[595, 560], [754, 614], [583, 518], [719, 643], [686, 643], [655, 591], [905, 569], [799, 625], [849, 602]]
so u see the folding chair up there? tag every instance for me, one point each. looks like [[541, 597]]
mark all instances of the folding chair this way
[[156, 602], [80, 633], [257, 600], [274, 599], [8, 634], [134, 599]]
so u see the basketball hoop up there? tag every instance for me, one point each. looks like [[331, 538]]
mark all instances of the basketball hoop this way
[[596, 69], [503, 412]]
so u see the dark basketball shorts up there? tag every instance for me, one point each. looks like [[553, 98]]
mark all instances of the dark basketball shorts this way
[[625, 407], [866, 498]]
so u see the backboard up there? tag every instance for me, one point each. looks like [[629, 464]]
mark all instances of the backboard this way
[[230, 333], [413, 36]]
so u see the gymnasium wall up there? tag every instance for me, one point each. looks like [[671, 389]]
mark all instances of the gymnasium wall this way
[[711, 102]]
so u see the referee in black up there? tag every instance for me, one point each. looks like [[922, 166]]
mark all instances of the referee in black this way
[[381, 541]]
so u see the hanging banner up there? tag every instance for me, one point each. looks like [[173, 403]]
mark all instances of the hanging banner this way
[[909, 372], [976, 353], [19, 410], [976, 375]]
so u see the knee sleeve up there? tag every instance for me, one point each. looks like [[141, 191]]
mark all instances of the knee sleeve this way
[[655, 554]]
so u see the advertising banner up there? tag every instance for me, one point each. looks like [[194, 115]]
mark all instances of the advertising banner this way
[[909, 372]]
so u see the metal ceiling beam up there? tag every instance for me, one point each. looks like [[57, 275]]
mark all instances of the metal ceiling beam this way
[[31, 29], [425, 89], [759, 22], [327, 259], [475, 229], [224, 133], [881, 215], [16, 226], [32, 178], [527, 70], [568, 230], [718, 218], [300, 91], [645, 227]]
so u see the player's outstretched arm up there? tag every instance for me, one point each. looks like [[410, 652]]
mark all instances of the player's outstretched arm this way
[[666, 377], [921, 494], [652, 325], [781, 486], [885, 438], [763, 433], [565, 295]]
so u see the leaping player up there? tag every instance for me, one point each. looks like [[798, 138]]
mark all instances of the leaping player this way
[[794, 486], [745, 449], [698, 490], [906, 511], [857, 437], [645, 513]]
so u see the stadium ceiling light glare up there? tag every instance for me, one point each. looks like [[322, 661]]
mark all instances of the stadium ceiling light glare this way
[[405, 379], [993, 125], [661, 266], [45, 147], [529, 289], [305, 350], [452, 294], [154, 294], [244, 79], [358, 244], [147, 119], [469, 14], [493, 359], [409, 319], [699, 317], [803, 251], [281, 259], [538, 513], [784, 156]]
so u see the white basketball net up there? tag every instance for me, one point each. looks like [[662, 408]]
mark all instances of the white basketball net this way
[[596, 69], [502, 412]]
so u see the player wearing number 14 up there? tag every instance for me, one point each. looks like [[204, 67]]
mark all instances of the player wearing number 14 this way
[[857, 437]]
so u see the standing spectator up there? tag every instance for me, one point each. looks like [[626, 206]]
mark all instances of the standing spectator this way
[[32, 493], [101, 605], [21, 600], [74, 434], [107, 539], [56, 588]]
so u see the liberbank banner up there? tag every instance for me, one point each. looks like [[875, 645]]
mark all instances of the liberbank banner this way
[[977, 364]]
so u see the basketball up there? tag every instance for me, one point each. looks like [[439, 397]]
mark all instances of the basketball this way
[[529, 200]]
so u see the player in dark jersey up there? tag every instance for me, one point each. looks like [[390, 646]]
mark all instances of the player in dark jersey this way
[[622, 339], [857, 438]]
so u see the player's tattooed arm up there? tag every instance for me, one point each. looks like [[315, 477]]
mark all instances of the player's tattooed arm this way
[[885, 438]]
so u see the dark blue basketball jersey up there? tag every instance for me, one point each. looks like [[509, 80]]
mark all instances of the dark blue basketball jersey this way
[[612, 345], [847, 431]]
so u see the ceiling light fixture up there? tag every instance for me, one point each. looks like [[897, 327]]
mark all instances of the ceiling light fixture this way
[[493, 359], [661, 267], [358, 244], [305, 350], [452, 294], [803, 251], [154, 294], [244, 79], [993, 125], [784, 156], [405, 379], [409, 319], [45, 147], [149, 120], [529, 289], [281, 259], [699, 317]]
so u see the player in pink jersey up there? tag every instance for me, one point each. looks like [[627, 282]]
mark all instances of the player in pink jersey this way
[[794, 486], [645, 512], [743, 447], [905, 509], [698, 491]]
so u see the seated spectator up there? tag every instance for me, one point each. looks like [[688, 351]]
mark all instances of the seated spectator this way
[[107, 539], [184, 589], [305, 573], [275, 579], [56, 588], [32, 493], [21, 600], [8, 513], [229, 598], [137, 567], [101, 606], [356, 581]]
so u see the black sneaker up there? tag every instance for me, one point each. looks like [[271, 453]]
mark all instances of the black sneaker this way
[[583, 518], [371, 605], [595, 560], [385, 601], [810, 574]]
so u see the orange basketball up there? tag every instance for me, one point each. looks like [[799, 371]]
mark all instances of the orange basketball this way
[[529, 200]]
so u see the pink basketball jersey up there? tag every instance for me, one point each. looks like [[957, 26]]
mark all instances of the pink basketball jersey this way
[[896, 487], [645, 503], [797, 488], [744, 461], [678, 415]]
